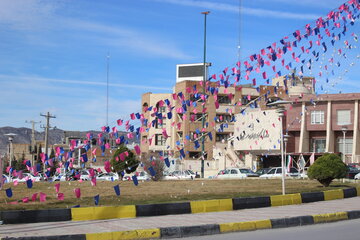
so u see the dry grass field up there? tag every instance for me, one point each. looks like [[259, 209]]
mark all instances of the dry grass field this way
[[153, 192]]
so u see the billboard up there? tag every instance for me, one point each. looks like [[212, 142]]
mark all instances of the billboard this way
[[257, 130]]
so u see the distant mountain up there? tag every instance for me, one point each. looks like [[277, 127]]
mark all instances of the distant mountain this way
[[23, 135]]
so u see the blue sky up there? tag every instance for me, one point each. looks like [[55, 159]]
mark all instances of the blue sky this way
[[53, 52]]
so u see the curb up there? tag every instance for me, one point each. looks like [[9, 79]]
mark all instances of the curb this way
[[202, 230], [133, 211]]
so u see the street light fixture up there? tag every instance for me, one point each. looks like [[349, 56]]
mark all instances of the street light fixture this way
[[344, 130], [280, 109], [10, 138], [203, 92]]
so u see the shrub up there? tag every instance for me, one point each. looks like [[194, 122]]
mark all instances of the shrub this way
[[150, 160], [130, 163], [327, 168]]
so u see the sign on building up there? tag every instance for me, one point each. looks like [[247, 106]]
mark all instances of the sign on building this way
[[257, 130]]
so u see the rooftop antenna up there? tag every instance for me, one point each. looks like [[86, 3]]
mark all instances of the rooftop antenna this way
[[239, 36], [107, 88]]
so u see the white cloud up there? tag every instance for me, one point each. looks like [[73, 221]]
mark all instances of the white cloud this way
[[137, 41], [259, 12], [77, 82], [27, 14]]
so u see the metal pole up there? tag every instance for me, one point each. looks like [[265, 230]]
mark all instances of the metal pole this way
[[281, 114], [11, 156], [344, 133], [107, 89], [1, 171], [46, 139], [203, 105]]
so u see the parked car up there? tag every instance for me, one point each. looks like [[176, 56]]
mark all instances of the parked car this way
[[143, 176], [236, 173], [6, 179], [59, 177], [357, 176], [26, 176], [85, 175], [303, 173], [107, 177], [262, 171], [351, 172], [277, 173], [180, 175]]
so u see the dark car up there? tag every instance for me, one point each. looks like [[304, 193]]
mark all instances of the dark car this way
[[351, 172], [262, 171]]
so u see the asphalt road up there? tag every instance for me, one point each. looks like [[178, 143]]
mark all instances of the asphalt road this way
[[343, 230], [126, 224]]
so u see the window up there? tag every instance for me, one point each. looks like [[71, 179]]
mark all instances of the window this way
[[233, 171], [343, 117], [221, 137], [197, 117], [224, 99], [317, 117], [245, 100], [279, 170], [223, 118], [197, 155], [162, 109], [348, 145], [318, 145], [160, 123], [159, 140]]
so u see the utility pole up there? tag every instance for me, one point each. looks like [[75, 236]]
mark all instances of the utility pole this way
[[47, 116], [33, 141], [203, 92]]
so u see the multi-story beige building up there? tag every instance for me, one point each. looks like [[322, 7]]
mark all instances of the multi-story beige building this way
[[184, 127]]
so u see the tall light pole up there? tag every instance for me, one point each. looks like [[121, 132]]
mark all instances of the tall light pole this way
[[11, 151], [344, 130], [280, 109], [203, 92], [286, 139]]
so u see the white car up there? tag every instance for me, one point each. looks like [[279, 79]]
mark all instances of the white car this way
[[357, 176], [143, 176], [6, 179], [235, 173], [180, 175], [26, 176], [107, 177], [277, 173]]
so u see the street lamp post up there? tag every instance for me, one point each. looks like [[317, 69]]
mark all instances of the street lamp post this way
[[286, 139], [280, 109], [11, 149], [203, 92], [344, 130]]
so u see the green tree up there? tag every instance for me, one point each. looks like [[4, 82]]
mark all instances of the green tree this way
[[327, 168], [130, 163]]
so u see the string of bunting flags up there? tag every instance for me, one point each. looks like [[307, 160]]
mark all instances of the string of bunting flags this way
[[323, 49]]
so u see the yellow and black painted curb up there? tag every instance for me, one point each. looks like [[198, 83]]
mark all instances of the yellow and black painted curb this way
[[132, 211], [209, 229]]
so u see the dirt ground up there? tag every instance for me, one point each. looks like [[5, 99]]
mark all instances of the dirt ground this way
[[152, 192]]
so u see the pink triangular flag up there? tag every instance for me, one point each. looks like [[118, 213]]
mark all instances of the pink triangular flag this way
[[60, 196], [93, 181], [33, 197], [42, 197], [77, 192], [57, 187], [137, 149]]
